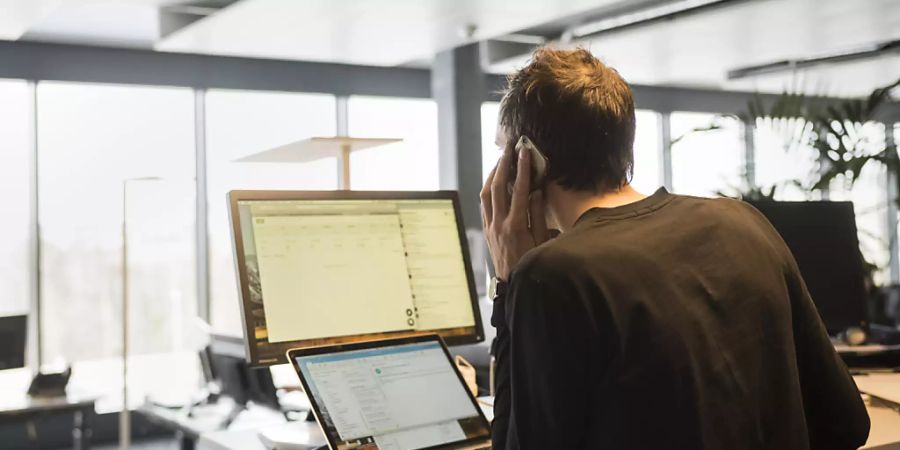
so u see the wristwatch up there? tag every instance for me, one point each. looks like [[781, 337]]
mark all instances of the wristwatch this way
[[496, 289]]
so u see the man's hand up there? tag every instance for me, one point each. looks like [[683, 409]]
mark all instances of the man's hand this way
[[506, 221]]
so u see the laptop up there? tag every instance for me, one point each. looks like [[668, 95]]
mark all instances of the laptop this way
[[393, 394]]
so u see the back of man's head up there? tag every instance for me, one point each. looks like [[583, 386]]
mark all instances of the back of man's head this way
[[579, 112]]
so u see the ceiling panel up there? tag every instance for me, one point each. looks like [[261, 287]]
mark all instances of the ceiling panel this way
[[106, 22], [699, 50], [372, 32], [17, 16]]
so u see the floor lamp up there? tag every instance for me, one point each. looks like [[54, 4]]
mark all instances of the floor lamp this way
[[315, 148], [125, 415]]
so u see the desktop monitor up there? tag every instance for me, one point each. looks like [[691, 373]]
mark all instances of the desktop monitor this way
[[236, 378], [822, 236], [318, 268], [13, 332]]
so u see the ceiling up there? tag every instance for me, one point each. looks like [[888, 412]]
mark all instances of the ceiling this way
[[690, 50], [130, 23], [699, 50], [372, 32]]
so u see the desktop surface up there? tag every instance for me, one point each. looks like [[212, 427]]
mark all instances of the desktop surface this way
[[319, 268]]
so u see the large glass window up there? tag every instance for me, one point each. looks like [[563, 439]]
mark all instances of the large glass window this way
[[706, 163], [241, 123], [490, 112], [869, 196], [93, 141], [408, 165], [15, 161], [781, 165], [647, 172]]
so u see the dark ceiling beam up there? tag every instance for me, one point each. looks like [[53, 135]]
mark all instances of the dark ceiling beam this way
[[58, 62], [496, 51], [177, 16], [670, 98], [61, 62]]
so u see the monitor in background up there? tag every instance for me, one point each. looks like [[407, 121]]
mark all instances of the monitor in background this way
[[823, 238], [391, 394], [13, 334], [236, 378], [318, 268], [206, 365]]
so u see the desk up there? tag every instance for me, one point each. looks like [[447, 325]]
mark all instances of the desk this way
[[248, 439], [24, 408], [207, 419], [885, 434]]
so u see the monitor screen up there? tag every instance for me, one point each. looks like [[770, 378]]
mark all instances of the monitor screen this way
[[822, 236], [402, 396], [320, 268], [13, 331]]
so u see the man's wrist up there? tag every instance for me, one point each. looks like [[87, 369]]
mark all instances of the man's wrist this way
[[497, 289]]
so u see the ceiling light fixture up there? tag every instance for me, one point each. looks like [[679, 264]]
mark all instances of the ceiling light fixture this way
[[870, 51], [666, 11]]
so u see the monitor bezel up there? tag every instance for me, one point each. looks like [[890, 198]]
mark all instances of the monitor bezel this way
[[243, 283], [292, 355]]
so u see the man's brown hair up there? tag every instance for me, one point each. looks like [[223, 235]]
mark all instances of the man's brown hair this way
[[579, 112]]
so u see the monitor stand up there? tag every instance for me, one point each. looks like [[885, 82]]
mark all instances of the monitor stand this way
[[300, 435]]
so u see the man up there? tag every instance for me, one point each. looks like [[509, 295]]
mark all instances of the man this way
[[650, 322]]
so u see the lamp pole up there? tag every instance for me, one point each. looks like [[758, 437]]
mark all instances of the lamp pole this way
[[125, 414]]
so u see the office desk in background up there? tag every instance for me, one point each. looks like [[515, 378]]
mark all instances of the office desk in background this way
[[18, 407], [207, 420], [883, 407]]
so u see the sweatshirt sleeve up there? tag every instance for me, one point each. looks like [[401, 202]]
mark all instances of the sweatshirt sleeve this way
[[542, 375], [835, 413]]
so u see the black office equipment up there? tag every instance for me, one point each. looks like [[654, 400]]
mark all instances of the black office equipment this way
[[206, 365], [822, 236], [327, 267], [237, 380], [50, 384], [13, 332]]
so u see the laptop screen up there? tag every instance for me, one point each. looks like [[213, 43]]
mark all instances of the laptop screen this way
[[403, 396]]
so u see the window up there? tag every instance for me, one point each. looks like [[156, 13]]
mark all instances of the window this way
[[892, 239], [241, 123], [780, 166], [408, 165], [869, 196], [92, 138], [706, 163], [15, 161], [647, 173], [490, 113]]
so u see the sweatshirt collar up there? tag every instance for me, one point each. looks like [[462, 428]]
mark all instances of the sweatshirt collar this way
[[634, 209]]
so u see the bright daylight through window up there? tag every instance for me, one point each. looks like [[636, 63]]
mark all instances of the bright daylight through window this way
[[93, 140]]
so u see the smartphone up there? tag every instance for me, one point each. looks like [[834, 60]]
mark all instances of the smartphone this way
[[538, 165]]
